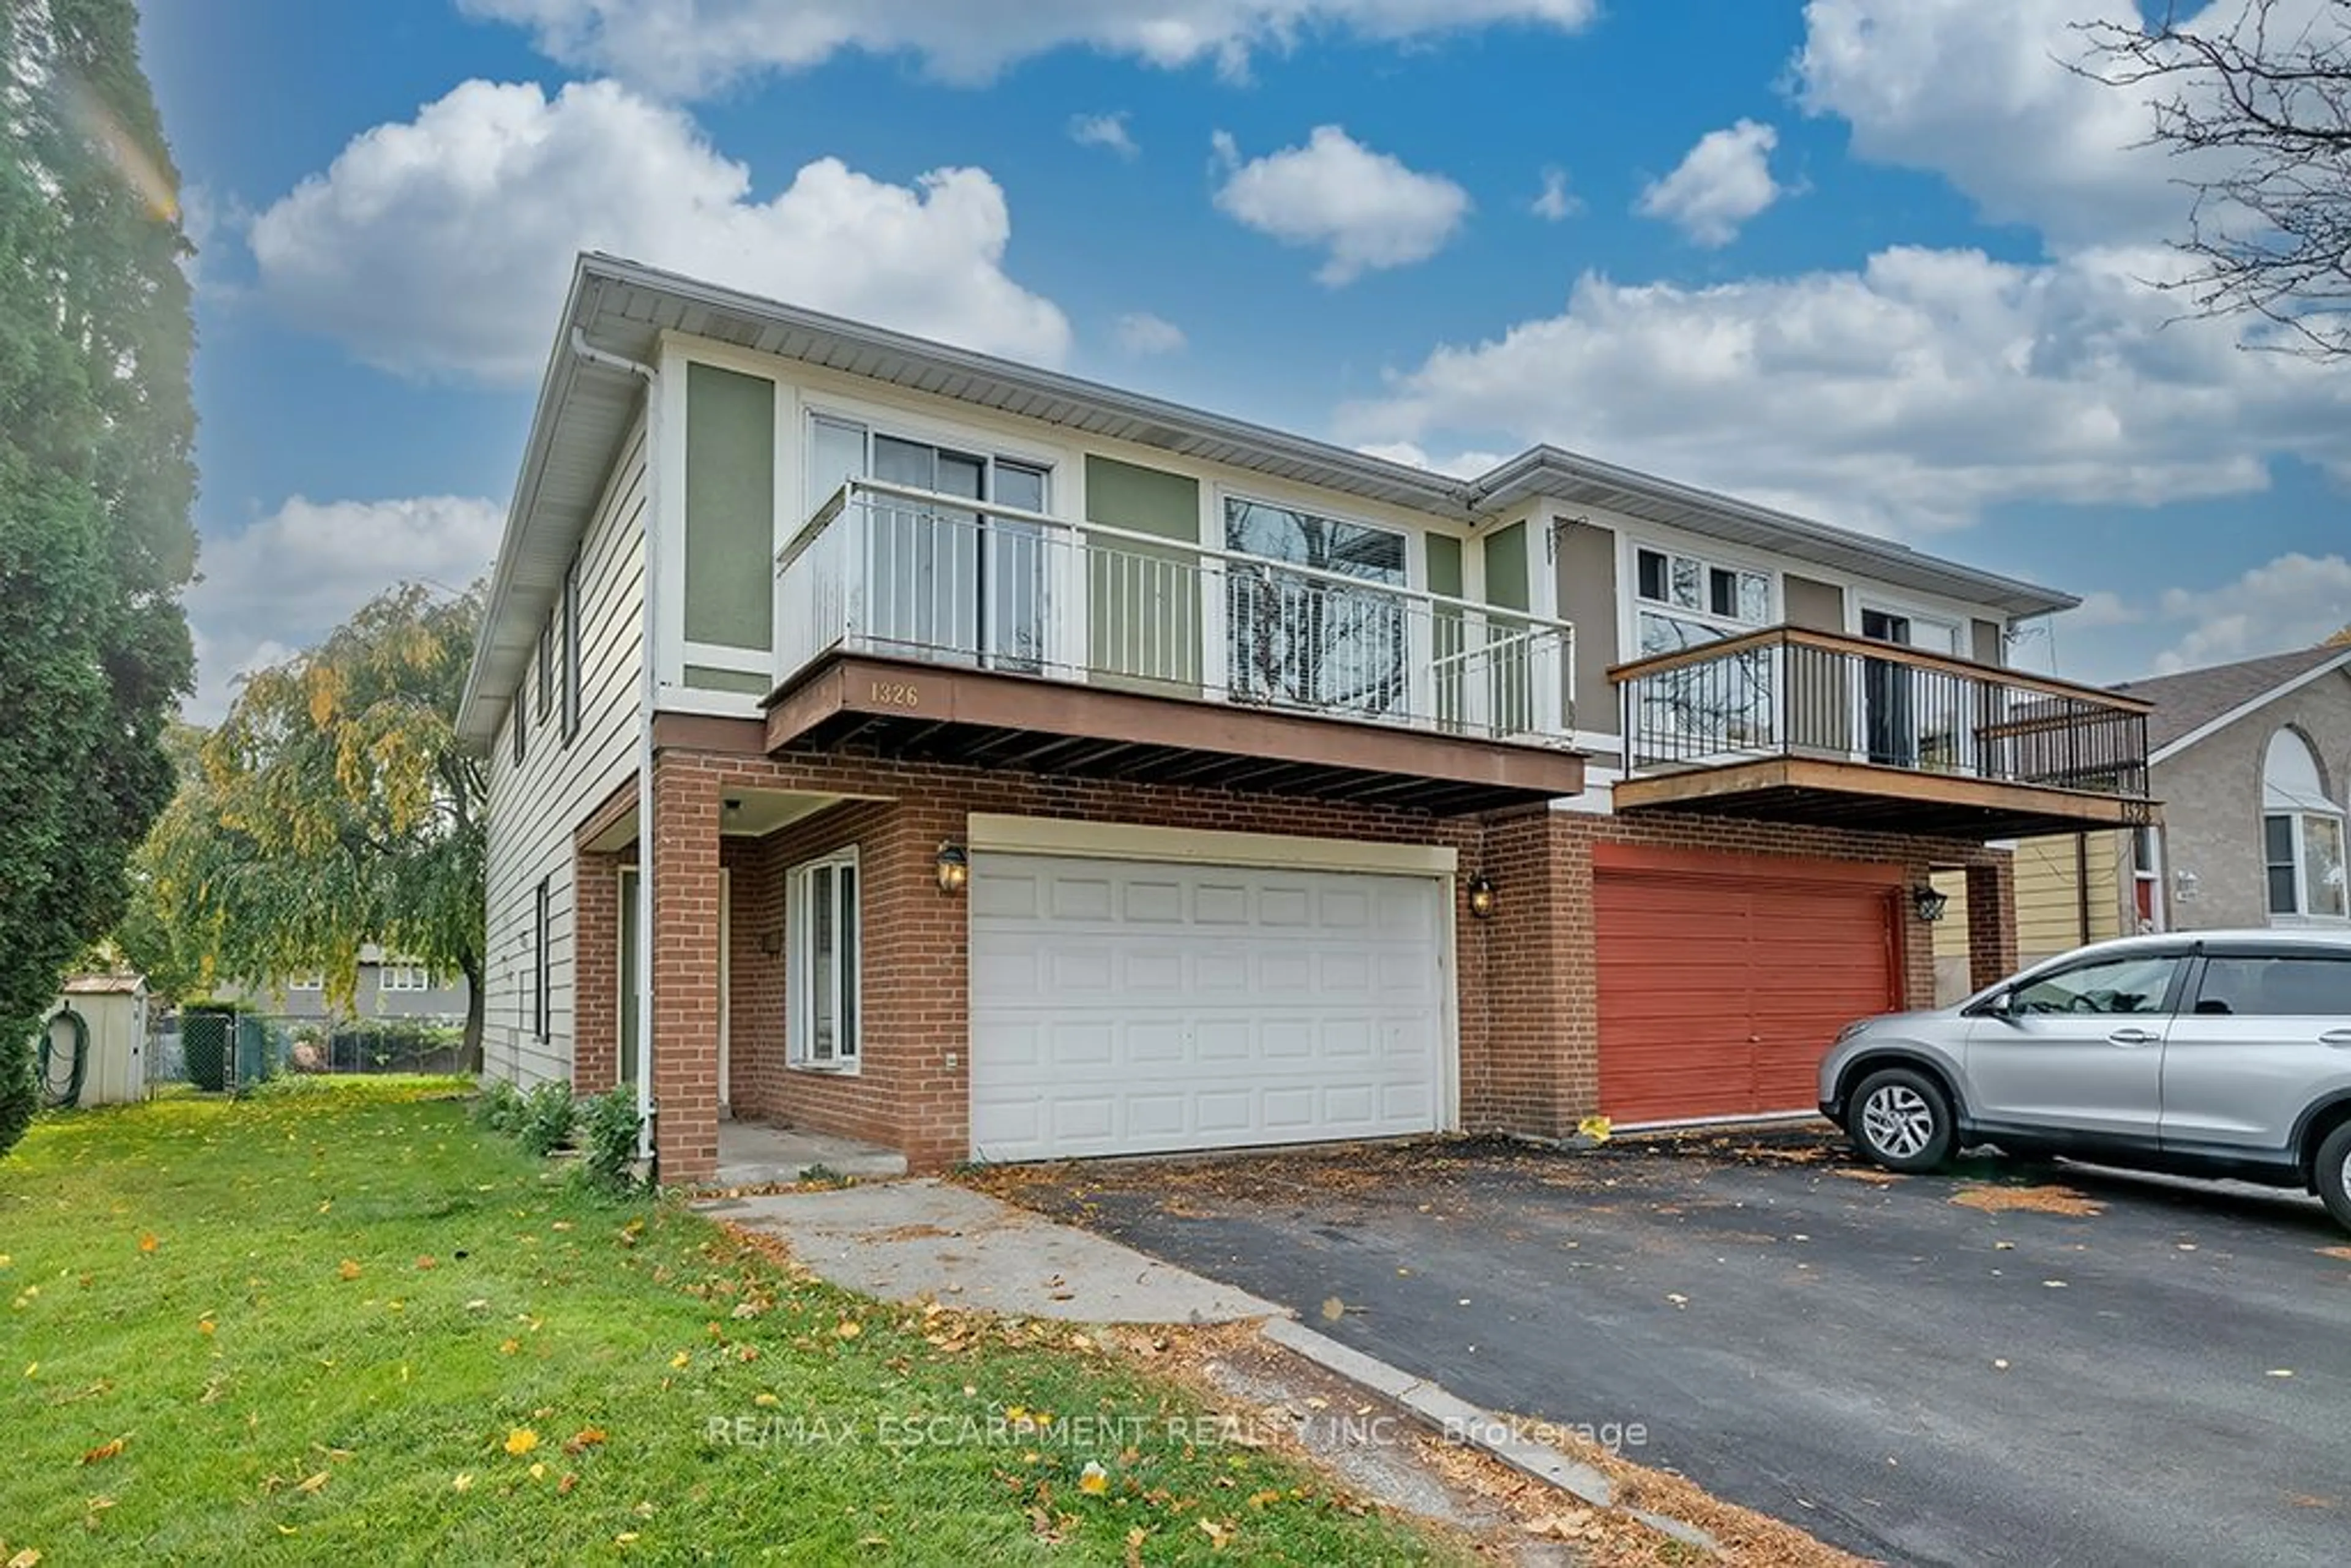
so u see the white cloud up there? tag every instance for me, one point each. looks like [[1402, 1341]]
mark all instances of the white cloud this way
[[2292, 601], [443, 245], [1107, 130], [1555, 202], [1140, 333], [1979, 91], [1902, 398], [292, 577], [1722, 181], [2102, 608], [1457, 465], [691, 46], [1365, 208]]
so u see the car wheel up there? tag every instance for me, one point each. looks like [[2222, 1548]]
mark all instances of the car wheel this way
[[2333, 1171], [1902, 1120]]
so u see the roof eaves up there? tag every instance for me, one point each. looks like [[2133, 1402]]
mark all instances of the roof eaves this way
[[2251, 706]]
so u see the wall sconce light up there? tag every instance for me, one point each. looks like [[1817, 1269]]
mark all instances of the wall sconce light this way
[[1927, 903], [771, 942], [1482, 896], [954, 868]]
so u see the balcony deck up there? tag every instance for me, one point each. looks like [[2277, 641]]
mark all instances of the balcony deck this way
[[917, 626], [1794, 725]]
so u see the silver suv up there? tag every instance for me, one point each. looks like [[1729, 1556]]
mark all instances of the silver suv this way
[[2221, 1054]]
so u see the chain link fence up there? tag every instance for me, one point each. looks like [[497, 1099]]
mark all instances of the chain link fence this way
[[220, 1049]]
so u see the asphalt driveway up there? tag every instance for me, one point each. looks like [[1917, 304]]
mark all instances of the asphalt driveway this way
[[2163, 1380]]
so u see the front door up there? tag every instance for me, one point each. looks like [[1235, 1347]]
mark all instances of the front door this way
[[2077, 1049]]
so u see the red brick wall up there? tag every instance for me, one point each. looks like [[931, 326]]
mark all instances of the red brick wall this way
[[1992, 922], [596, 971], [686, 968], [1527, 979]]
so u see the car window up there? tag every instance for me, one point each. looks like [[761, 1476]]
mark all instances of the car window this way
[[2133, 985], [2312, 986]]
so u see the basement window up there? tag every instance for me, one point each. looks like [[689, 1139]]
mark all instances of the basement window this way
[[821, 986]]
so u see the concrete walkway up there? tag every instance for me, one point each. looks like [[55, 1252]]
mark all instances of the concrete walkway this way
[[752, 1154], [908, 1240]]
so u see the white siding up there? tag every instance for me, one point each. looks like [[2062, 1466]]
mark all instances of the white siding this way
[[535, 808]]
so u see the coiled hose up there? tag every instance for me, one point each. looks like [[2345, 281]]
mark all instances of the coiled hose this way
[[51, 1095]]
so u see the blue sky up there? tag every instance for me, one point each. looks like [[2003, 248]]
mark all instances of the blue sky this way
[[1879, 261]]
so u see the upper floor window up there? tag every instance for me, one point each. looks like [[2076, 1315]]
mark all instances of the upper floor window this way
[[1686, 602], [313, 981], [405, 977], [1308, 640], [2302, 834]]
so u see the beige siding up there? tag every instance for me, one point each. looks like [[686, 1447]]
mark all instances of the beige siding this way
[[2048, 917], [534, 809]]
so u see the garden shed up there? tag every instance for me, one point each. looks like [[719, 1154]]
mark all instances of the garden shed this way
[[94, 1048]]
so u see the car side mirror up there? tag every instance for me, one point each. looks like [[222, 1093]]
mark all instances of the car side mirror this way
[[1998, 1005]]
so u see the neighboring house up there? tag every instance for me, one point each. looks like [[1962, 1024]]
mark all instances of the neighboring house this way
[[1032, 769], [2252, 761], [387, 987]]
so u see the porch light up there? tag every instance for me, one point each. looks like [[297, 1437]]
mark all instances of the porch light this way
[[954, 868], [1482, 896], [1929, 902]]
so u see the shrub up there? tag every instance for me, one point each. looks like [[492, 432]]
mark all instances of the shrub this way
[[548, 1115], [608, 1133], [500, 1107]]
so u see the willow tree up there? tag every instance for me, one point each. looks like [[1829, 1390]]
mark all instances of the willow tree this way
[[96, 484], [333, 807]]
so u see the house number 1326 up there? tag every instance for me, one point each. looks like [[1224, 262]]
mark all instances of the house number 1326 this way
[[897, 694]]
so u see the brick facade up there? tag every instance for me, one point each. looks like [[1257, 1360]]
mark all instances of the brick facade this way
[[596, 971], [1527, 979]]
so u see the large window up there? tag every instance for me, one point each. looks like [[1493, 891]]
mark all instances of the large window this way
[[405, 977], [1308, 640], [2302, 834], [821, 986], [1681, 603], [940, 579]]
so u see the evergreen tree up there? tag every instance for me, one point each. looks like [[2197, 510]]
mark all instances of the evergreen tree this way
[[96, 484]]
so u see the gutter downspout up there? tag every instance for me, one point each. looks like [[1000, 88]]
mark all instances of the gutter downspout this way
[[648, 689]]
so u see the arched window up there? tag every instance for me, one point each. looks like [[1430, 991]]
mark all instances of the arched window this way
[[2302, 834]]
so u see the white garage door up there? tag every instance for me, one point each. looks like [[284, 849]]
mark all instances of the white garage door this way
[[1135, 1007]]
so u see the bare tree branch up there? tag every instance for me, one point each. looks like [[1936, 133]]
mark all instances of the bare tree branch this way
[[2258, 109]]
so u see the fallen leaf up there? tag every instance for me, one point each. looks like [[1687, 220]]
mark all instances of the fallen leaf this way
[[149, 1242], [1678, 1299], [850, 1328], [428, 1262], [1135, 1539], [586, 1438], [766, 1401], [462, 1481], [1218, 1534], [2044, 1199], [1094, 1481], [680, 1360], [312, 1483], [348, 1268], [104, 1451], [539, 1469], [563, 1488], [509, 1346], [27, 1558], [521, 1441], [1334, 1309]]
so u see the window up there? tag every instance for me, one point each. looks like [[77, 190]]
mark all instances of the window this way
[[2282, 987], [403, 977], [570, 613], [1707, 602], [521, 722], [313, 981], [2302, 834], [2139, 984], [820, 985], [1722, 706], [540, 920], [1307, 640], [546, 667]]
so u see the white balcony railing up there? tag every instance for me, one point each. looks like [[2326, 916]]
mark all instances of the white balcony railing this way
[[903, 573]]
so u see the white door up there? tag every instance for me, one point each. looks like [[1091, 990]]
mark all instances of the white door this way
[[1122, 1007]]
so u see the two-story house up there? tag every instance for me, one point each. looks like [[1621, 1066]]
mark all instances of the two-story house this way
[[906, 743]]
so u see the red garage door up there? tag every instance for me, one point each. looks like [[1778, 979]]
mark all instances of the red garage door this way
[[1724, 980]]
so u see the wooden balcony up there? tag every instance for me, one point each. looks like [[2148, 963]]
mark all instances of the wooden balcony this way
[[929, 626], [1794, 725]]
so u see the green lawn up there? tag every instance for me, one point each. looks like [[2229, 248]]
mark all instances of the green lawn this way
[[344, 1325]]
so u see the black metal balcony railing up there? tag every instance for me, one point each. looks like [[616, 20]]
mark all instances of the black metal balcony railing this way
[[1789, 693]]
